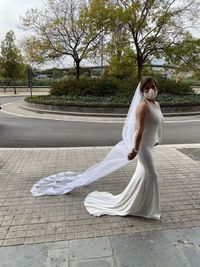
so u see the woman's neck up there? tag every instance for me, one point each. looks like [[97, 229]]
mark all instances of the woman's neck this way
[[151, 100]]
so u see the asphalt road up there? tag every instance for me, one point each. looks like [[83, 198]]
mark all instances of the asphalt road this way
[[27, 132]]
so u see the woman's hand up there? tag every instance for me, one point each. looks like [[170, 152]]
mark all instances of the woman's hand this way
[[132, 155]]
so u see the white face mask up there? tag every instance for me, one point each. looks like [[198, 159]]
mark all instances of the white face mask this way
[[151, 94]]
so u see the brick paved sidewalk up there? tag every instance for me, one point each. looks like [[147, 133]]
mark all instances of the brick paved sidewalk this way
[[28, 220]]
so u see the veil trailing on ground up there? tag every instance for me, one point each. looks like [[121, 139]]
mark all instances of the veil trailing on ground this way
[[62, 183]]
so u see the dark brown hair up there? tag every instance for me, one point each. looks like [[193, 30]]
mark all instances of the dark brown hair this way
[[147, 80]]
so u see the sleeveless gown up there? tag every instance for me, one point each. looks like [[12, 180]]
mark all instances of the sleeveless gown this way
[[141, 196]]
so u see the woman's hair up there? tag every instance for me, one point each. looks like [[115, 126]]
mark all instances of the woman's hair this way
[[147, 80]]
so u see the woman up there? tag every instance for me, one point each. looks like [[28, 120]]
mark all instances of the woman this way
[[141, 132], [141, 196]]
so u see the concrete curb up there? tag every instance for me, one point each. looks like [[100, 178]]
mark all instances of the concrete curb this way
[[59, 112], [42, 109], [27, 106]]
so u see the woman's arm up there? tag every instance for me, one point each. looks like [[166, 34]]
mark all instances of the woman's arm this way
[[141, 113]]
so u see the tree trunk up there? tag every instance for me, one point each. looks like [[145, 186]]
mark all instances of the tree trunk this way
[[77, 69], [139, 71]]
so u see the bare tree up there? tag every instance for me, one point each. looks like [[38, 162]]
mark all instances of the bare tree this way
[[62, 28]]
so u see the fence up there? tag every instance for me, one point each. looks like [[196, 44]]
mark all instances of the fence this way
[[22, 89]]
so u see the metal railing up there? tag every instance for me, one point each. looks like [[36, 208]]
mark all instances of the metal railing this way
[[15, 89]]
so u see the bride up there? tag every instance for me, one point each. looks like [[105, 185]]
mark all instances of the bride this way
[[141, 132]]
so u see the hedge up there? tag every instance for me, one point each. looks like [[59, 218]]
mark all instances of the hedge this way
[[111, 86], [165, 100]]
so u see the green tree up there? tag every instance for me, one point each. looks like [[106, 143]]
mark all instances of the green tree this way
[[60, 29], [12, 64], [120, 55], [153, 25], [185, 55], [120, 65]]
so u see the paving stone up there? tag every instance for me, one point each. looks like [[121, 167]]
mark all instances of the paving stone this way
[[187, 241], [23, 256], [146, 250], [105, 262], [90, 248], [174, 236], [193, 234], [190, 253], [57, 258]]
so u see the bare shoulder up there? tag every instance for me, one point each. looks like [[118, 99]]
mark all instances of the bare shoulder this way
[[142, 107]]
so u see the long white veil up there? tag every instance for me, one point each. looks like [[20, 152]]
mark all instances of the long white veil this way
[[62, 183]]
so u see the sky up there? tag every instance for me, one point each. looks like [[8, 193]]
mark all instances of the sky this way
[[12, 10]]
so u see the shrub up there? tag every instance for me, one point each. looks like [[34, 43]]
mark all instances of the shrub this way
[[193, 82], [42, 82], [85, 86], [106, 86], [126, 87], [172, 87]]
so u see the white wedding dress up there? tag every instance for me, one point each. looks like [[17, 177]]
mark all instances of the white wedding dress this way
[[141, 196]]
